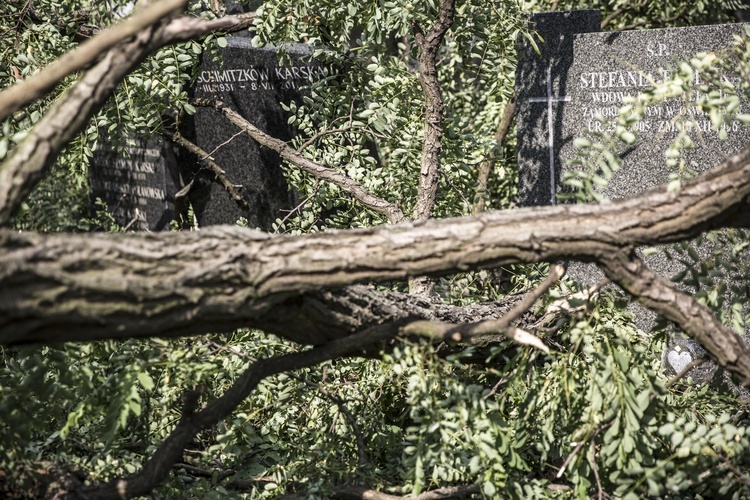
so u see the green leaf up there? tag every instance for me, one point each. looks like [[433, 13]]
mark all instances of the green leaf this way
[[145, 380], [489, 489]]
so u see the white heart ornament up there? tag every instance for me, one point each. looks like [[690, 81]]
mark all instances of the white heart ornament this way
[[679, 360]]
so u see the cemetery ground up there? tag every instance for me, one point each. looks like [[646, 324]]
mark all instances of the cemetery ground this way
[[401, 328]]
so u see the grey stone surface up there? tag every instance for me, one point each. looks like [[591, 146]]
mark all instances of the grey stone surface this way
[[581, 73], [253, 82], [589, 74], [137, 178]]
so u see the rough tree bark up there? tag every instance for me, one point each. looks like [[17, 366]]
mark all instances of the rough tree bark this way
[[40, 84], [429, 43], [79, 287], [66, 287]]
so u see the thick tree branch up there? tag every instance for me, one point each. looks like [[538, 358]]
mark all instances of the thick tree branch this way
[[61, 287], [429, 44], [30, 160], [429, 172], [345, 183], [36, 86], [663, 297], [197, 278]]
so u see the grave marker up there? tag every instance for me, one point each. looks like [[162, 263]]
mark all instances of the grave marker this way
[[137, 178], [251, 81], [581, 73], [595, 71]]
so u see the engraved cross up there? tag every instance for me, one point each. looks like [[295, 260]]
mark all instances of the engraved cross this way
[[549, 99]]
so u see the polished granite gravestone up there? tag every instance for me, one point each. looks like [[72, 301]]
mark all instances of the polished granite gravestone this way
[[137, 179], [581, 73], [252, 81], [541, 91]]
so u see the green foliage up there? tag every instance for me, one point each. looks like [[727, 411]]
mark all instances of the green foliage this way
[[594, 414], [596, 405], [629, 14], [367, 115]]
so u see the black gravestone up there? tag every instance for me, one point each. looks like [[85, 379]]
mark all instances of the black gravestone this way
[[582, 73], [252, 81], [541, 87], [137, 179]]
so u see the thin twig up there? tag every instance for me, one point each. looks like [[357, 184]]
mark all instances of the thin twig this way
[[298, 207], [485, 168], [592, 463], [580, 445], [208, 162], [340, 403], [210, 154], [684, 371], [455, 189], [555, 273]]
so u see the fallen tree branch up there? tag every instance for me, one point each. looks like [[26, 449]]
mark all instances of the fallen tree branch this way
[[345, 183], [364, 493], [340, 403], [64, 286], [32, 88], [501, 326], [29, 162], [663, 297], [61, 287]]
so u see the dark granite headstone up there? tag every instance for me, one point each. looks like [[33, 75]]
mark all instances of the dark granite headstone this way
[[542, 97], [253, 82], [137, 179], [582, 73]]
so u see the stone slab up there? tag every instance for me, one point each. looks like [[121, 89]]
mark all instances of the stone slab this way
[[539, 119], [137, 178], [252, 81], [580, 73]]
